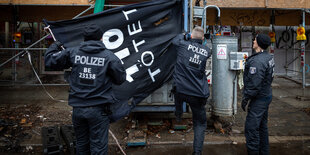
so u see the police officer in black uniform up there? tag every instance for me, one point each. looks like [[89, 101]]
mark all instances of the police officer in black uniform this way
[[94, 70], [190, 82], [257, 94]]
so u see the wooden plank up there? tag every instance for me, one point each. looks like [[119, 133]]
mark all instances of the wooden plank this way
[[237, 17], [289, 17], [5, 1], [45, 2], [246, 17], [233, 17], [288, 3], [38, 13]]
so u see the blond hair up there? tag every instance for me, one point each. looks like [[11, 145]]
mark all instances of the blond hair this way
[[197, 33]]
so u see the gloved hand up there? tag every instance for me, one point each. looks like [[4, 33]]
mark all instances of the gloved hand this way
[[187, 36], [58, 44], [244, 103]]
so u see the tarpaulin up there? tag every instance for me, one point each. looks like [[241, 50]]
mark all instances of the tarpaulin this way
[[140, 35]]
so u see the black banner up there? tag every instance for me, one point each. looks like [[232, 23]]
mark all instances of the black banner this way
[[140, 35]]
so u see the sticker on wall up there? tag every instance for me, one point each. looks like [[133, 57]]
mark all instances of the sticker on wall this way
[[221, 51]]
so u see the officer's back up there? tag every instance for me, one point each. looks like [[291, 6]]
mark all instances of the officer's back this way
[[94, 70], [258, 74], [189, 76]]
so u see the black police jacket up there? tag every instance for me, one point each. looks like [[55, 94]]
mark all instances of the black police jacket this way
[[189, 73], [94, 69], [258, 75]]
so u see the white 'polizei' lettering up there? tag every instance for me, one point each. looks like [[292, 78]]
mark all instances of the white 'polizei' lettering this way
[[86, 60], [198, 50]]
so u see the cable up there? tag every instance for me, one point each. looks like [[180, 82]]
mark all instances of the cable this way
[[117, 142], [30, 62]]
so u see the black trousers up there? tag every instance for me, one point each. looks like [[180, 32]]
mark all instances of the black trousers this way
[[199, 117], [91, 126], [256, 129]]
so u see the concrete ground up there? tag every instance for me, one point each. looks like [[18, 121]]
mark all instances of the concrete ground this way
[[32, 109]]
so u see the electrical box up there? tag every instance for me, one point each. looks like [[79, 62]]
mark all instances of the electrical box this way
[[237, 60]]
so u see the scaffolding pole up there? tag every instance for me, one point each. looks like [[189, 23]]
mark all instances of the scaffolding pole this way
[[303, 53], [22, 49]]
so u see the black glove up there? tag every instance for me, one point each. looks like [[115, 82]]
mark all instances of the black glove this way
[[244, 103], [187, 36], [58, 44]]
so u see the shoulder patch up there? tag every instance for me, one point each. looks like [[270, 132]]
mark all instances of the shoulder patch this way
[[252, 70]]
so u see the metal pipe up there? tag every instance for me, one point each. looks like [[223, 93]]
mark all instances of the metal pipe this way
[[292, 70], [3, 4], [21, 49], [7, 33], [286, 52], [303, 47], [22, 52], [292, 61], [43, 84], [235, 96], [185, 7], [203, 20], [91, 6], [289, 78], [191, 17], [34, 85], [14, 74], [299, 49]]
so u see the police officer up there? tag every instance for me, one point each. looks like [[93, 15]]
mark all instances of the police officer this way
[[257, 94], [190, 82], [94, 70]]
